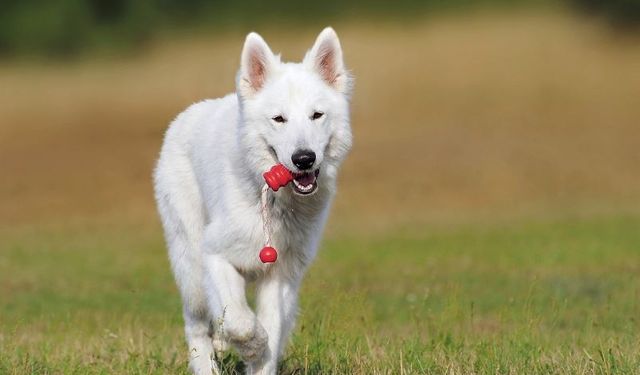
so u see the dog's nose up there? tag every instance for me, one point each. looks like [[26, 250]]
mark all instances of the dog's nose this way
[[303, 159]]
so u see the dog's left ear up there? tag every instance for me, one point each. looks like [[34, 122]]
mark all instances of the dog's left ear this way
[[325, 57]]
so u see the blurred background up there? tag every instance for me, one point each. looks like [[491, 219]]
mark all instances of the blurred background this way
[[462, 108], [473, 120]]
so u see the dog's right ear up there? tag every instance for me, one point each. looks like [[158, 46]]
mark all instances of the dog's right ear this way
[[256, 63]]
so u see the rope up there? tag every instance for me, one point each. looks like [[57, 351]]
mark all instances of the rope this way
[[266, 223]]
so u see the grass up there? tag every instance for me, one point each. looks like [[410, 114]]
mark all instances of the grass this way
[[528, 297]]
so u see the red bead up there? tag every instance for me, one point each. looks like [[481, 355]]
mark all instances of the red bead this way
[[277, 177], [268, 254]]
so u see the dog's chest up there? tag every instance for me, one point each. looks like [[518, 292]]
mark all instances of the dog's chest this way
[[294, 227]]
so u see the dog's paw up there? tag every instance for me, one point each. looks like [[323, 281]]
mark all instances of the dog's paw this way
[[251, 344]]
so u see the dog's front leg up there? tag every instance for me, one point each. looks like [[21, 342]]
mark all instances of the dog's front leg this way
[[232, 315], [277, 298]]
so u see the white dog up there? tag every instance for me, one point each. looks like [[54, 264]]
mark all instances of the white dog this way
[[208, 184]]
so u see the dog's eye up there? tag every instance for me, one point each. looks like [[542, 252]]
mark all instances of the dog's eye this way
[[279, 119], [316, 115]]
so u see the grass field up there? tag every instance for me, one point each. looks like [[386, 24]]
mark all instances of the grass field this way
[[538, 297], [488, 220]]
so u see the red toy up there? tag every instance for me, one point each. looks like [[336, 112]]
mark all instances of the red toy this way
[[277, 177], [268, 254]]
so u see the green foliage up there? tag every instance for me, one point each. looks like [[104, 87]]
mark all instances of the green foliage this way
[[622, 13], [64, 28], [67, 27]]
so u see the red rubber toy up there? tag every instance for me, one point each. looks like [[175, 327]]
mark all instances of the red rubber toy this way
[[277, 177], [268, 254]]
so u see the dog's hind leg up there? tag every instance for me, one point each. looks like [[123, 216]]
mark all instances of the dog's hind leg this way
[[198, 332], [181, 210], [197, 317]]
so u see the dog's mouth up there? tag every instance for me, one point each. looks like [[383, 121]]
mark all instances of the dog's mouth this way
[[305, 183]]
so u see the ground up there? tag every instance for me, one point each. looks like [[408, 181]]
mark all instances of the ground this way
[[487, 219], [545, 297]]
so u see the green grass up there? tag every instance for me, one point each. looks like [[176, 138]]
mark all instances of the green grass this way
[[528, 297]]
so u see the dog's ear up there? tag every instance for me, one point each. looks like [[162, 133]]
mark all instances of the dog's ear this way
[[325, 57], [256, 63]]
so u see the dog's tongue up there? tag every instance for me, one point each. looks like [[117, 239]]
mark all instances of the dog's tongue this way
[[305, 179]]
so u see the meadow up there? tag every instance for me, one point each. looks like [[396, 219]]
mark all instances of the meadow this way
[[487, 220]]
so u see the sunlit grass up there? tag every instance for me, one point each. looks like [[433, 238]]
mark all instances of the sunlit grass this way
[[530, 297]]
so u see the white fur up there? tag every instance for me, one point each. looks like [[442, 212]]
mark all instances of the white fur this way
[[207, 186]]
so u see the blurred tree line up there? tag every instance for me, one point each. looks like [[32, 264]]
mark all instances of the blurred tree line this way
[[624, 14], [67, 27]]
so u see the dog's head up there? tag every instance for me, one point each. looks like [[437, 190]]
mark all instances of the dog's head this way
[[295, 114]]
